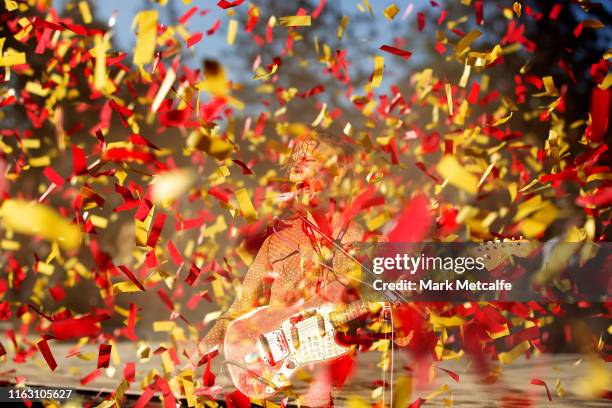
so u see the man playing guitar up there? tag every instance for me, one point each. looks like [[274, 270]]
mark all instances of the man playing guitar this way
[[292, 254]]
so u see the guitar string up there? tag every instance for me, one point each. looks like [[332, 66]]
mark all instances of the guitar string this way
[[346, 253]]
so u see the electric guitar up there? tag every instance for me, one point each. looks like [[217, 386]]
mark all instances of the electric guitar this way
[[265, 347], [496, 253]]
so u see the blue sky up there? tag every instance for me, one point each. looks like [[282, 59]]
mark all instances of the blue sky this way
[[213, 46]]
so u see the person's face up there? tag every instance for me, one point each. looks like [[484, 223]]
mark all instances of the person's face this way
[[308, 166], [305, 170]]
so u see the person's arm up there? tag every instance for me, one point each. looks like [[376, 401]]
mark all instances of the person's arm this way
[[250, 292]]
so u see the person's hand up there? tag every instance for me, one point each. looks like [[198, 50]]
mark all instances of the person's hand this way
[[403, 341], [201, 350]]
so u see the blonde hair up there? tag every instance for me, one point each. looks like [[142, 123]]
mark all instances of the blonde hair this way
[[330, 150]]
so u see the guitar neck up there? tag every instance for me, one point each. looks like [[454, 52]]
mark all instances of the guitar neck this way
[[351, 312]]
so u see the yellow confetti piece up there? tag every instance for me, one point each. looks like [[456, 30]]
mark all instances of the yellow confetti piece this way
[[163, 89], [467, 39], [357, 402], [85, 12], [188, 385], [378, 221], [39, 220], [391, 11], [450, 168], [549, 85], [465, 76], [320, 116], [594, 24], [449, 97], [30, 143], [11, 5], [125, 287], [295, 21], [146, 36], [215, 82], [264, 74], [503, 120], [100, 49], [606, 82], [245, 205], [42, 161], [10, 245], [367, 5], [163, 325], [342, 26], [12, 58], [510, 356], [232, 29], [98, 221], [167, 362], [218, 226], [379, 67]]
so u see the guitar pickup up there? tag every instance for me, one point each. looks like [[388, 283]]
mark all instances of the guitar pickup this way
[[295, 337], [321, 325]]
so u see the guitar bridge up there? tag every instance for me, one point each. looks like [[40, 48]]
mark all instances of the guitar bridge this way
[[273, 347]]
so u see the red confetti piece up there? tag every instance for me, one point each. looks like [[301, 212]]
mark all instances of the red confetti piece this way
[[90, 377], [53, 176], [478, 9], [194, 39], [131, 323], [212, 30], [129, 372], [555, 10], [151, 259], [70, 328], [57, 293], [188, 14], [120, 154], [413, 223], [341, 369], [237, 399], [144, 399], [602, 198], [537, 381], [600, 111], [156, 229], [421, 21], [208, 379], [317, 12], [131, 276], [174, 254], [417, 403], [245, 168], [396, 51], [165, 299], [578, 29], [451, 374], [194, 272], [104, 354], [224, 4], [43, 346], [79, 161]]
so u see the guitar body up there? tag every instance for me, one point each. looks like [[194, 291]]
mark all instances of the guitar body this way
[[265, 347]]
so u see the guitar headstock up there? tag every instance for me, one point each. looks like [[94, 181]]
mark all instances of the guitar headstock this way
[[495, 253]]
